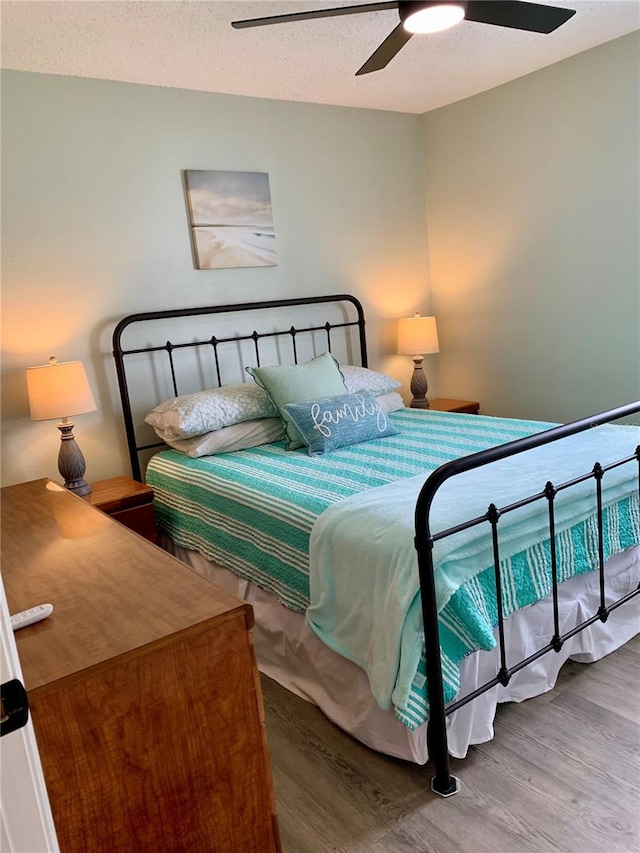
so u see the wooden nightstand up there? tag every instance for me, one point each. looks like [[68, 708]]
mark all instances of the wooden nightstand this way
[[444, 404], [128, 502]]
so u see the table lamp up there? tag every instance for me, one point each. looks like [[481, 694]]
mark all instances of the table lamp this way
[[418, 335], [58, 391]]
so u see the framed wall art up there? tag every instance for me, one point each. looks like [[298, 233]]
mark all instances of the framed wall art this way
[[231, 219]]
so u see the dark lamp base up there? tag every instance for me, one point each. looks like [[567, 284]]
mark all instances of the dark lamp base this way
[[71, 462], [78, 487], [418, 385]]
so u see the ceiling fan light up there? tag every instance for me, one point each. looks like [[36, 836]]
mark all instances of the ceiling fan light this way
[[434, 18]]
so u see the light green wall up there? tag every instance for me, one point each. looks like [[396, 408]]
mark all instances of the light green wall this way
[[94, 227], [530, 244], [533, 201]]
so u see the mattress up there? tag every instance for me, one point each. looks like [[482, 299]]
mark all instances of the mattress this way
[[255, 511]]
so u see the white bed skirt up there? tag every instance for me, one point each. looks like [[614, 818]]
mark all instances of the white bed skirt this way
[[294, 657]]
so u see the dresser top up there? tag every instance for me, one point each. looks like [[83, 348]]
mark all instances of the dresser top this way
[[112, 591]]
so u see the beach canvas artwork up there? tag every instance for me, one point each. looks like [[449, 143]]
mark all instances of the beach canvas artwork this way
[[231, 219]]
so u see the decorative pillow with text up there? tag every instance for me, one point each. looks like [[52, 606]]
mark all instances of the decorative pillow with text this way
[[326, 425]]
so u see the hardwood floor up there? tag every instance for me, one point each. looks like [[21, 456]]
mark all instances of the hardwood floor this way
[[562, 774]]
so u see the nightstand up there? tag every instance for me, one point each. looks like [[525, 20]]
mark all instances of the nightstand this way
[[444, 404], [128, 502]]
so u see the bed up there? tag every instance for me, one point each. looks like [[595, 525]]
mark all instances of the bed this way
[[365, 534]]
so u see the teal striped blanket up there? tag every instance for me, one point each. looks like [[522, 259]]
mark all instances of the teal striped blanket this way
[[255, 511]]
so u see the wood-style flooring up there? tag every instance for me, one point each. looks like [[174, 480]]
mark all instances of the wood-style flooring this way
[[562, 774]]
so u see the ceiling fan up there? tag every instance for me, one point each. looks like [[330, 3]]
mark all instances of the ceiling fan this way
[[424, 16]]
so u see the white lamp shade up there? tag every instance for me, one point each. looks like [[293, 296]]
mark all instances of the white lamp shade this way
[[417, 335], [59, 390]]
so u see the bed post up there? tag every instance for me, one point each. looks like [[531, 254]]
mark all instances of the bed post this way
[[118, 356], [443, 783]]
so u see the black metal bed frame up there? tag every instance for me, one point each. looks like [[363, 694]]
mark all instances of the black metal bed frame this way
[[443, 783], [215, 343]]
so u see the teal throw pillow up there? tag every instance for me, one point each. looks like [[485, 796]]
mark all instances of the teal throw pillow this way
[[326, 425], [297, 383]]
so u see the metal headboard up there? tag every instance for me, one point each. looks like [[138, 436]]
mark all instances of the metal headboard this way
[[349, 306]]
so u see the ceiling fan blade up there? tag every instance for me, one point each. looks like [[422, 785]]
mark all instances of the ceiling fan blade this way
[[318, 13], [394, 42], [518, 15]]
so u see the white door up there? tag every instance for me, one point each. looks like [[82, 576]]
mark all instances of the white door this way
[[26, 825]]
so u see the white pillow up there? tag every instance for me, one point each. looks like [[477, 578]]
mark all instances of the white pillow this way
[[203, 412], [389, 402], [226, 440], [252, 433], [207, 411], [362, 379]]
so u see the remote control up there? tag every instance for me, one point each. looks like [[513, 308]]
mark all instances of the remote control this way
[[28, 617]]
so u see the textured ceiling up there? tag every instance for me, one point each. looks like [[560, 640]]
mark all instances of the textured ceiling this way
[[191, 45]]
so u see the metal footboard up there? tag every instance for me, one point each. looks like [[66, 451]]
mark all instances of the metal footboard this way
[[443, 782]]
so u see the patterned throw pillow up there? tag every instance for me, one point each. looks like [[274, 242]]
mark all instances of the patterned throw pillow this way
[[206, 411], [326, 425]]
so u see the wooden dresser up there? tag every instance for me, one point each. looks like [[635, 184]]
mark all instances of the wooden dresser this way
[[143, 686]]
